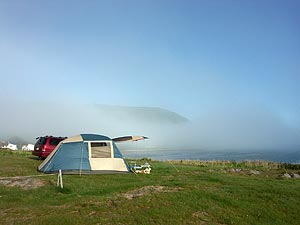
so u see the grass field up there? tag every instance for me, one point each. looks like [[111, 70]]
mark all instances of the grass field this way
[[180, 192]]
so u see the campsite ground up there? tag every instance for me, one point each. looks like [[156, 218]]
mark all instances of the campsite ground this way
[[174, 193]]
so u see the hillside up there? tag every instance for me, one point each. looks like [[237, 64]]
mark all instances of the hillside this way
[[66, 119], [178, 192], [142, 114]]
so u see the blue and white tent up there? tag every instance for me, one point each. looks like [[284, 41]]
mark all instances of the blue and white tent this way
[[85, 153]]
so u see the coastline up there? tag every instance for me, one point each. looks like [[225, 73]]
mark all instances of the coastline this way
[[292, 157]]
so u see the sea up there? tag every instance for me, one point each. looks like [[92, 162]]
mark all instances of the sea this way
[[292, 157]]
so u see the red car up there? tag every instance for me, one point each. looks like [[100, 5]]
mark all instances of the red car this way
[[45, 145]]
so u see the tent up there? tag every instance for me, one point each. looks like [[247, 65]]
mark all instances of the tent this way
[[83, 154]]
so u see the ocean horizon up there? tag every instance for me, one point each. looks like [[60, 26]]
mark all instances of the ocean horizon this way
[[174, 154]]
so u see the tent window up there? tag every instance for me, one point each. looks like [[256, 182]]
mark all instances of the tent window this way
[[100, 150]]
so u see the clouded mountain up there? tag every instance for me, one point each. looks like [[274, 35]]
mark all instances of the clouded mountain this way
[[141, 114], [63, 119]]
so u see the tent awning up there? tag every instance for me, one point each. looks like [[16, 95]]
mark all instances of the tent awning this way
[[129, 138]]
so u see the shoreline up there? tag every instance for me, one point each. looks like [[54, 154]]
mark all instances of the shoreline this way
[[291, 157]]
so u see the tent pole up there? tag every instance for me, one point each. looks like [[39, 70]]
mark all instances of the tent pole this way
[[80, 170]]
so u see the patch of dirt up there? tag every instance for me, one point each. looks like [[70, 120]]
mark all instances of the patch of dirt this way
[[200, 214], [25, 183], [204, 218], [147, 190]]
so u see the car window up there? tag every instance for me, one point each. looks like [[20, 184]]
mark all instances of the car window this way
[[54, 141], [41, 141]]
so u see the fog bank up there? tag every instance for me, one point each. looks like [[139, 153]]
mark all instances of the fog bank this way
[[223, 129]]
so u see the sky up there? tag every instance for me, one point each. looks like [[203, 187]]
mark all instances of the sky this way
[[225, 63]]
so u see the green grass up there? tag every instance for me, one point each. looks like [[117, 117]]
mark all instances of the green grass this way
[[204, 193]]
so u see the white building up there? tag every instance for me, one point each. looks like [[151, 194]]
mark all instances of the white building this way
[[28, 147], [11, 146]]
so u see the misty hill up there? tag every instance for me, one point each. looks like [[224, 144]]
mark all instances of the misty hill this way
[[67, 119], [143, 114]]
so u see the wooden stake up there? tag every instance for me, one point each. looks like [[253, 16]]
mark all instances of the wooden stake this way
[[59, 180]]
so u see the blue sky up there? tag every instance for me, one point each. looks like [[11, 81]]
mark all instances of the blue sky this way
[[191, 57]]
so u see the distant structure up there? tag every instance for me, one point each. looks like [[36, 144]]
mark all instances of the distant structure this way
[[28, 147], [2, 144], [11, 146]]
